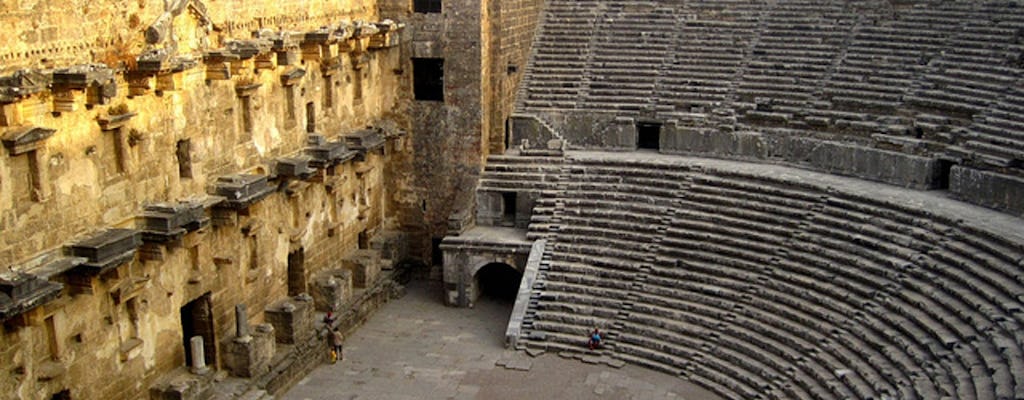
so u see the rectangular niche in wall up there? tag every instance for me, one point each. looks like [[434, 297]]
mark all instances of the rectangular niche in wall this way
[[428, 78], [508, 214], [426, 6], [648, 136]]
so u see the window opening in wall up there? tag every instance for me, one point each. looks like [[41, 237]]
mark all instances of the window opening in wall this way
[[508, 200], [51, 338], [310, 117], [648, 135], [297, 272], [437, 257], [289, 97], [120, 151], [62, 395], [23, 182], [132, 307], [254, 254], [197, 320], [194, 258], [357, 85], [184, 154], [247, 126], [328, 92], [426, 6], [428, 78]]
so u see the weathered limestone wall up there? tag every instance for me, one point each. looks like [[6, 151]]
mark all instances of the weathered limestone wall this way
[[117, 334], [479, 40], [40, 34], [519, 20]]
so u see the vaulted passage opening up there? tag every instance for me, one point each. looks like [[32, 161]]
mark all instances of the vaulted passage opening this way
[[499, 281], [197, 320]]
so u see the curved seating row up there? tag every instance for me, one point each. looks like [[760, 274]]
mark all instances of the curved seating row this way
[[758, 286], [942, 71]]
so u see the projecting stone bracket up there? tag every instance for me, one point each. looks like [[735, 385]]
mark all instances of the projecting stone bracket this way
[[106, 250], [22, 84], [96, 80], [241, 191], [21, 292], [25, 139], [327, 154], [167, 222]]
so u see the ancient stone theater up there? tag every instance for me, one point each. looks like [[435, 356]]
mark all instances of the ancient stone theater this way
[[771, 199]]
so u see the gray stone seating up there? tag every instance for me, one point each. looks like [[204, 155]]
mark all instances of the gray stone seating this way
[[542, 218], [678, 340], [616, 207], [504, 173], [585, 233], [998, 130], [724, 198], [600, 298], [930, 324], [567, 255], [594, 219], [578, 276], [714, 320], [878, 62]]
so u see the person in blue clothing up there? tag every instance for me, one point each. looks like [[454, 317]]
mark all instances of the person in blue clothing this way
[[595, 339]]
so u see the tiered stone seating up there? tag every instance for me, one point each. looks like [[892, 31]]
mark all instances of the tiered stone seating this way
[[706, 59], [998, 133], [973, 68], [763, 287], [879, 67], [560, 54], [942, 73], [796, 47], [520, 174], [598, 243], [629, 47]]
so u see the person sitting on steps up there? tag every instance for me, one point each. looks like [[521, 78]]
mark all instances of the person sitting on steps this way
[[595, 339]]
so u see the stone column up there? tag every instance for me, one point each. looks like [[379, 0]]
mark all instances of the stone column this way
[[241, 323], [198, 356]]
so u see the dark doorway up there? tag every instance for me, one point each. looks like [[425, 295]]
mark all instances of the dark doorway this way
[[61, 395], [297, 272], [499, 281], [197, 320], [436, 255], [648, 135], [508, 212], [943, 169]]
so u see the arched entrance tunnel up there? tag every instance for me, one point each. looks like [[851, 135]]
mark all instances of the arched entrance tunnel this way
[[499, 282]]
